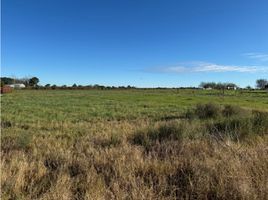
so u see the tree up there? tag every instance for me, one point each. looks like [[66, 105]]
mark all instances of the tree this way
[[53, 87], [7, 80], [25, 81], [33, 81], [208, 85], [47, 85], [248, 87], [261, 83]]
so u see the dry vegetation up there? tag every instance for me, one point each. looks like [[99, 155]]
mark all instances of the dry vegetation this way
[[208, 152]]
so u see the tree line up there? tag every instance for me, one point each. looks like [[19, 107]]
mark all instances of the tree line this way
[[214, 85], [28, 82], [33, 83], [260, 84]]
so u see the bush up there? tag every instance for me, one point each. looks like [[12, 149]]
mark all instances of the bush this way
[[165, 132], [230, 110], [232, 128], [207, 111], [260, 121], [190, 114]]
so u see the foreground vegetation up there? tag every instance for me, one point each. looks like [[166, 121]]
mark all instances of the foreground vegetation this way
[[134, 144]]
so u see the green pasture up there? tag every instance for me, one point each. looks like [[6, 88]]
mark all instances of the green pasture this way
[[41, 106]]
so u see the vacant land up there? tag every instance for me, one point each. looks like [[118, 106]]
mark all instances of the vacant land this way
[[134, 144]]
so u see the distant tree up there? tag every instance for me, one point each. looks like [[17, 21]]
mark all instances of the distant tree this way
[[96, 86], [248, 87], [218, 86], [202, 84], [101, 87], [24, 81], [74, 85], [33, 81], [261, 83], [208, 85], [47, 86], [7, 80], [53, 87]]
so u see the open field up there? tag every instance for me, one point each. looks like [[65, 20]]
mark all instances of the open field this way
[[134, 144]]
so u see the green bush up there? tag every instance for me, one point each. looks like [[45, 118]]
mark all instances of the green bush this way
[[230, 110], [260, 121], [190, 114], [164, 132], [207, 111], [113, 141], [232, 128]]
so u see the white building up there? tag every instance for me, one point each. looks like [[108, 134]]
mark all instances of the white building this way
[[231, 88], [17, 86]]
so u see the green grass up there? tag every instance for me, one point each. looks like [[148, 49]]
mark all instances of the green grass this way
[[90, 105]]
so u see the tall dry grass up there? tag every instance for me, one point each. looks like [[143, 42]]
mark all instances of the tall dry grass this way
[[176, 159]]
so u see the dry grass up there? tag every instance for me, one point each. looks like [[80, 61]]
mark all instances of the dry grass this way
[[111, 165]]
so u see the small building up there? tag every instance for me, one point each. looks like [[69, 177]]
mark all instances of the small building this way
[[231, 88], [17, 86], [6, 89], [207, 88]]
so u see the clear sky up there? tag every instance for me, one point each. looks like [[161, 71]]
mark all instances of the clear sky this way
[[145, 43]]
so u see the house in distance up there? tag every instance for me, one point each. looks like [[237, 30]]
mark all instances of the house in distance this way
[[17, 85]]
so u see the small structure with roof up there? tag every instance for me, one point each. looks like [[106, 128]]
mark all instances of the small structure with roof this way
[[17, 86]]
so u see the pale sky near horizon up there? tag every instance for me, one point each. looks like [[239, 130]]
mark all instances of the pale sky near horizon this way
[[144, 43]]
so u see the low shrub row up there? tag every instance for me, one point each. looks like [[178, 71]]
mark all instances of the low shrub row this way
[[211, 121], [213, 111]]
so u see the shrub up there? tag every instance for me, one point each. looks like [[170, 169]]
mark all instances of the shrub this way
[[164, 132], [207, 111], [190, 114], [24, 141], [260, 121], [168, 131], [113, 141], [230, 110], [232, 128], [21, 142]]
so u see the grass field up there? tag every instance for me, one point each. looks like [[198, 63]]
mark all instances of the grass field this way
[[134, 144]]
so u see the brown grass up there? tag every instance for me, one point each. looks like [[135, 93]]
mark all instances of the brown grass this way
[[105, 162]]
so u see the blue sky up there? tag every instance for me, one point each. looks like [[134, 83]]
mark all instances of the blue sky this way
[[145, 43]]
